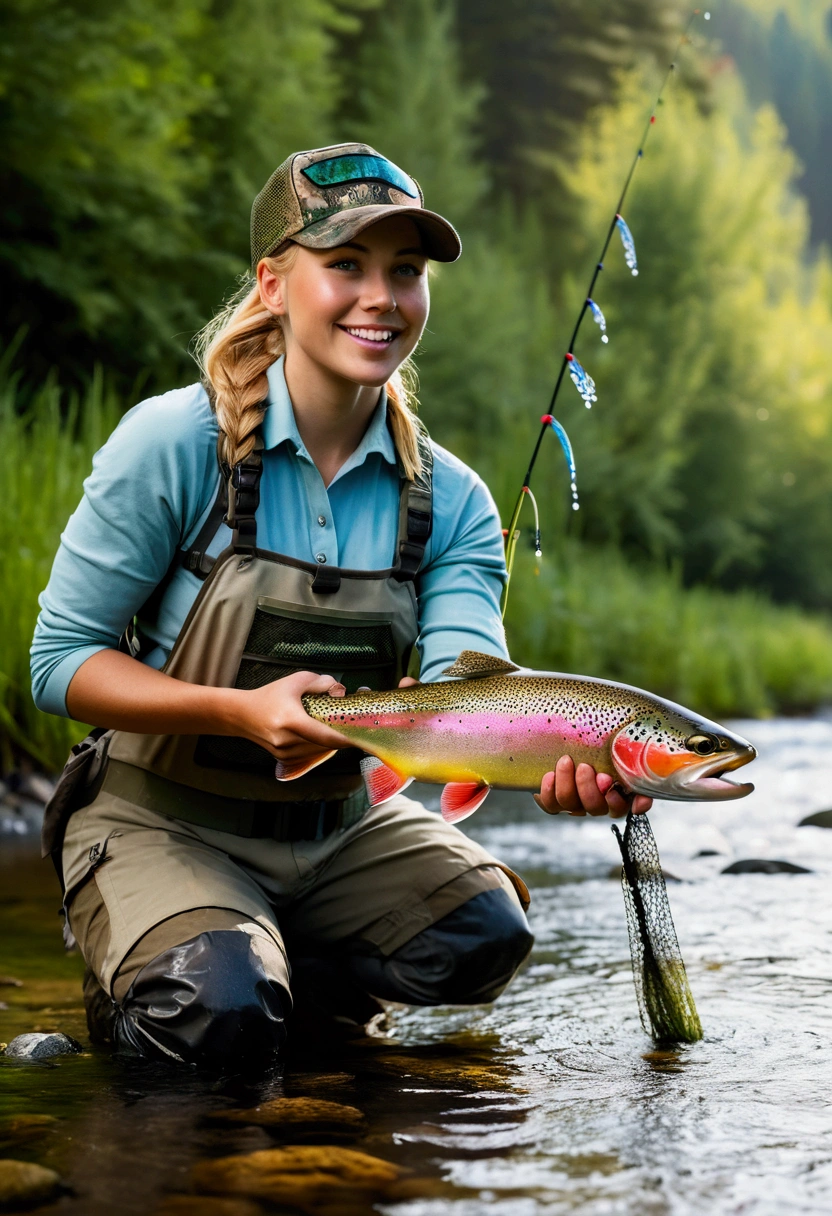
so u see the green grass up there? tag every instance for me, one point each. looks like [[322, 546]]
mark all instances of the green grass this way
[[587, 611], [45, 453], [724, 654]]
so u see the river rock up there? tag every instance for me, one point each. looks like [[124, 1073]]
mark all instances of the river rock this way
[[207, 1205], [297, 1115], [23, 1184], [764, 865], [17, 1128], [301, 1176], [35, 1046], [820, 819]]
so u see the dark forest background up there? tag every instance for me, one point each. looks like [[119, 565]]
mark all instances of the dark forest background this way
[[134, 137]]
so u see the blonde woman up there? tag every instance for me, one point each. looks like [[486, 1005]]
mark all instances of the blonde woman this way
[[283, 527]]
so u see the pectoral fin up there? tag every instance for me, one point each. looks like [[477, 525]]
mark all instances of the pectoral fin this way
[[382, 781], [461, 798], [472, 665], [290, 770]]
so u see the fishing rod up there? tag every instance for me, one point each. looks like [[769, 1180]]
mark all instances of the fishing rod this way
[[579, 376]]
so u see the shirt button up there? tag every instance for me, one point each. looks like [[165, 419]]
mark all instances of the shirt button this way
[[322, 520], [320, 557]]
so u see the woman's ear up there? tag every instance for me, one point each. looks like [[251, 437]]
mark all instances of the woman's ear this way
[[271, 290]]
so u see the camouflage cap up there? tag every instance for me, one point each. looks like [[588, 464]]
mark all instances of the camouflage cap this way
[[325, 197]]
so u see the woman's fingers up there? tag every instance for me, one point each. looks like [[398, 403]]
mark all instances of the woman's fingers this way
[[582, 791]]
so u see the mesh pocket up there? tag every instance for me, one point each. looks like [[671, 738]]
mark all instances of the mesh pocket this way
[[276, 646], [298, 644]]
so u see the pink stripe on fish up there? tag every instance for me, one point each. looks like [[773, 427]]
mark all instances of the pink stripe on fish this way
[[580, 730]]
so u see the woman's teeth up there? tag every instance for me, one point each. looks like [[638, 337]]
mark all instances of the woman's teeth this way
[[371, 335]]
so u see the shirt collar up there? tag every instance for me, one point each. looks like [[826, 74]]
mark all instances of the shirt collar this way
[[279, 425]]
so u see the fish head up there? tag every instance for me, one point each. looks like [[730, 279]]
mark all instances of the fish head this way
[[667, 752]]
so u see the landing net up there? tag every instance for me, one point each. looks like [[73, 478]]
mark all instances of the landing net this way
[[665, 1001]]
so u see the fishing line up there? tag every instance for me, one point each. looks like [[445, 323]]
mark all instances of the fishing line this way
[[578, 374]]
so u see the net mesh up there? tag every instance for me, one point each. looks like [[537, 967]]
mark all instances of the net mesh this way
[[665, 1001]]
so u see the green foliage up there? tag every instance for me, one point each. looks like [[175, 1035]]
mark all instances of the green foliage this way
[[546, 65], [724, 654], [714, 415], [46, 452], [784, 50], [132, 140]]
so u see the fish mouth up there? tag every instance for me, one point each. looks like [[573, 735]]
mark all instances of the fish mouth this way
[[707, 781]]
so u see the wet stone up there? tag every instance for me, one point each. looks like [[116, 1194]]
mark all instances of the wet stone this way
[[302, 1176], [9, 981], [23, 1184], [19, 1128], [297, 1115], [764, 865], [820, 819], [35, 1046], [205, 1205]]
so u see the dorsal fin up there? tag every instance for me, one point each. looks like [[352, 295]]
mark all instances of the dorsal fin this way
[[472, 664]]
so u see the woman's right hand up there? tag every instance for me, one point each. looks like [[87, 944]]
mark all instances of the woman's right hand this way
[[273, 716]]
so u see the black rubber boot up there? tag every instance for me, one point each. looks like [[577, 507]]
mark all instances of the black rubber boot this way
[[467, 958], [208, 1001]]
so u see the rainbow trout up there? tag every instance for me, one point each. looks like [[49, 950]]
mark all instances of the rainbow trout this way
[[499, 726]]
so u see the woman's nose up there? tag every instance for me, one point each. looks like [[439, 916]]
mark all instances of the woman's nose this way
[[379, 296]]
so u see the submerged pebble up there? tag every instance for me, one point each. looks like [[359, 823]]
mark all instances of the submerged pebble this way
[[205, 1205], [23, 1184], [35, 1046], [300, 1176], [764, 865], [297, 1115]]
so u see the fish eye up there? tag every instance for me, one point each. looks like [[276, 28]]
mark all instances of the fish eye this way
[[703, 745]]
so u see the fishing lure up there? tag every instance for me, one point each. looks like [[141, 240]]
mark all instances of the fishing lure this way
[[599, 318]]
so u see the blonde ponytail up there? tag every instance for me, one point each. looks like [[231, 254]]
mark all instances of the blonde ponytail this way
[[238, 346]]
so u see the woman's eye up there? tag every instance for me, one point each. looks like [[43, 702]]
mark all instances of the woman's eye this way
[[345, 264], [408, 268]]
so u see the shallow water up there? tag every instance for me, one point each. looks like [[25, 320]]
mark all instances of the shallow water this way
[[553, 1099]]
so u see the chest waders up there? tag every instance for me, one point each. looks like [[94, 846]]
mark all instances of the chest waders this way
[[260, 616]]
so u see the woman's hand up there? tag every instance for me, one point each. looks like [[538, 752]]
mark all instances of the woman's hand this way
[[273, 716], [585, 792]]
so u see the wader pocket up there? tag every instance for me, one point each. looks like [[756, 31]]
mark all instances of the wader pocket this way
[[77, 786], [283, 640]]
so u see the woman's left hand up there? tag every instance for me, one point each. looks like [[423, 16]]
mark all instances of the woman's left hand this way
[[582, 791]]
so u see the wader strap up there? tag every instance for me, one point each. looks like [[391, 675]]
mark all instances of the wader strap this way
[[280, 821], [244, 499], [415, 516], [195, 559]]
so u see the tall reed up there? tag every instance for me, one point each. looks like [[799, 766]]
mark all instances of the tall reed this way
[[46, 451]]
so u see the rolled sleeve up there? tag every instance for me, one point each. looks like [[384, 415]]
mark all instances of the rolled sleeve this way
[[140, 502], [460, 586]]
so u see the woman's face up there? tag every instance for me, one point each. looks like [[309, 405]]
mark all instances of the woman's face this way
[[358, 310]]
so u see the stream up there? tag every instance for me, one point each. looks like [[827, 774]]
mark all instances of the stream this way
[[551, 1100]]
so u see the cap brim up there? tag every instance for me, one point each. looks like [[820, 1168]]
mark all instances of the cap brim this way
[[439, 238]]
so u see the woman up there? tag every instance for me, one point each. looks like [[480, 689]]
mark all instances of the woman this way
[[285, 518]]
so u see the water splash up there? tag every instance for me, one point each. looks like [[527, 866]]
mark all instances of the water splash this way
[[565, 444], [628, 243], [599, 319], [582, 380]]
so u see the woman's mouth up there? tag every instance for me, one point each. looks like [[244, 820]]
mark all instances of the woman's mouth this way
[[370, 337]]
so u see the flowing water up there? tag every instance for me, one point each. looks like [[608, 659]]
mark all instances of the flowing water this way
[[552, 1100]]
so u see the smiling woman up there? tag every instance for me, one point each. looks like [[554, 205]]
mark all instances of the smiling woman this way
[[284, 527]]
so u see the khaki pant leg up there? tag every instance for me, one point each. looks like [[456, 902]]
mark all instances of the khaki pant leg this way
[[400, 870], [134, 878]]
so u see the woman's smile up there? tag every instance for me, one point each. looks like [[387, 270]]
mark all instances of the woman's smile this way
[[371, 337]]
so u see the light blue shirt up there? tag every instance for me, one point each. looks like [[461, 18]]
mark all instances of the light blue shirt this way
[[153, 484]]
